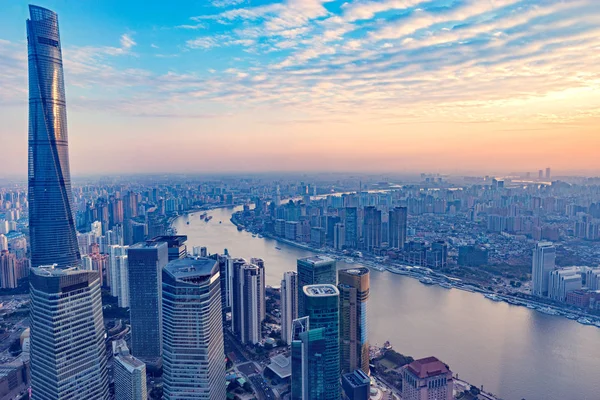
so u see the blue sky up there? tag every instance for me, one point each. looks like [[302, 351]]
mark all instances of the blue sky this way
[[392, 84]]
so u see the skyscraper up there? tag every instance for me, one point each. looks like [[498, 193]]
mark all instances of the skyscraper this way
[[351, 224], [339, 236], [8, 270], [311, 271], [544, 258], [145, 263], [194, 361], [308, 361], [129, 374], [397, 227], [289, 304], [51, 221], [354, 293], [372, 228], [322, 309], [68, 353], [119, 274], [248, 309]]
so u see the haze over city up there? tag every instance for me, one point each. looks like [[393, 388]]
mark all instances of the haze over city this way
[[310, 85]]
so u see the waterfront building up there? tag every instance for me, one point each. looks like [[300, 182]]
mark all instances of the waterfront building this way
[[544, 261], [437, 255], [397, 224], [193, 352], [311, 271], [353, 285], [427, 379], [563, 281], [323, 311], [248, 309], [308, 361], [52, 232], [145, 263], [68, 352], [472, 256], [289, 304], [371, 228], [129, 374], [357, 385]]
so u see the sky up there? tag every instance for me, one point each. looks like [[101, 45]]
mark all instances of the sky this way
[[451, 86]]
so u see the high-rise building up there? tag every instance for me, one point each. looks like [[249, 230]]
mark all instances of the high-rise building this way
[[548, 173], [129, 374], [357, 385], [119, 276], [289, 304], [397, 227], [308, 361], [311, 271], [68, 353], [351, 224], [3, 242], [323, 309], [193, 353], [176, 244], [427, 379], [248, 308], [339, 236], [372, 228], [354, 341], [8, 270], [51, 214], [544, 261], [145, 263]]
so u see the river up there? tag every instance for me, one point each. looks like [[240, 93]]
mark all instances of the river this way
[[512, 351]]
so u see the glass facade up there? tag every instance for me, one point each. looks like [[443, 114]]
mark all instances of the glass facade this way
[[145, 264], [308, 363], [311, 271], [51, 222], [193, 353], [322, 310], [68, 352]]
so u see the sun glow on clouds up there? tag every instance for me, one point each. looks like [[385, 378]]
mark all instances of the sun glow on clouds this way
[[381, 79]]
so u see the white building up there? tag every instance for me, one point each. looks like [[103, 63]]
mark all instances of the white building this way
[[96, 229], [289, 304], [544, 262], [248, 308], [119, 274], [3, 242], [339, 236], [562, 281], [592, 279], [129, 374]]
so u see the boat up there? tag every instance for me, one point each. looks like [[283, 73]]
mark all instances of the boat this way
[[349, 260], [425, 280], [445, 285], [188, 222], [253, 235], [277, 248], [571, 316], [240, 228], [585, 321], [531, 306], [220, 222], [548, 310], [597, 324], [260, 236], [492, 297]]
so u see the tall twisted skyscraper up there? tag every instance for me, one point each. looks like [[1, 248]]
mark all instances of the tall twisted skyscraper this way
[[51, 223]]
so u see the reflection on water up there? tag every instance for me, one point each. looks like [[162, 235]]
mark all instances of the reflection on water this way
[[512, 351]]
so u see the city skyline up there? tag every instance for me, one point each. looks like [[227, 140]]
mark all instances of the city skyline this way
[[394, 86]]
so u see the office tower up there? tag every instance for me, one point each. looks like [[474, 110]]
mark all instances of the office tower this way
[[248, 308], [437, 256], [3, 242], [427, 378], [96, 230], [175, 243], [8, 270], [372, 229], [544, 257], [311, 271], [339, 236], [51, 214], [226, 278], [193, 352], [354, 342], [563, 281], [68, 353], [119, 281], [397, 227], [129, 374], [289, 304], [145, 264], [548, 173], [357, 385], [308, 361], [322, 309], [351, 223], [540, 174]]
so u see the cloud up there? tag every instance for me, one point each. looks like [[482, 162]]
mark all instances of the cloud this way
[[127, 42]]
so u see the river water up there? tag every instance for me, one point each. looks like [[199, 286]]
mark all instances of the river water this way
[[512, 351]]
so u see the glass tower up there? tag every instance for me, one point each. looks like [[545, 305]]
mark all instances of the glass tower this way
[[193, 353], [51, 222], [311, 271], [308, 361], [145, 263], [322, 310], [68, 352]]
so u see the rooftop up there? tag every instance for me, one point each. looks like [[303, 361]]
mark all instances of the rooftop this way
[[316, 259], [172, 241], [322, 290], [355, 271], [428, 367], [191, 267], [130, 362], [281, 366], [357, 378], [148, 245]]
